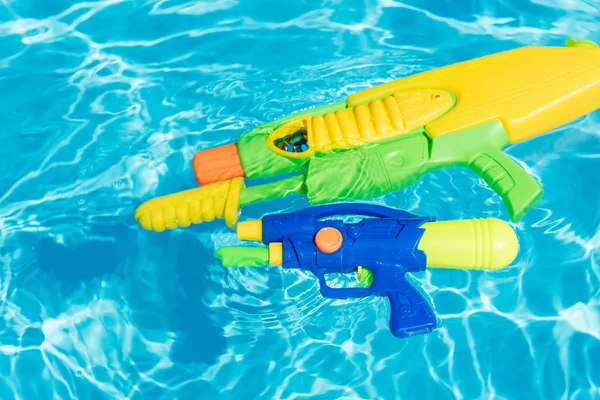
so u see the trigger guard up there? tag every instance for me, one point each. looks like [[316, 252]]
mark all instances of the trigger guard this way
[[341, 293]]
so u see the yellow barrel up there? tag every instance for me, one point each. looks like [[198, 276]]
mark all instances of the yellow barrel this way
[[489, 244]]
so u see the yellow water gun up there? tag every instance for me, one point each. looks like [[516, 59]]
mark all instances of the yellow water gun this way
[[385, 138]]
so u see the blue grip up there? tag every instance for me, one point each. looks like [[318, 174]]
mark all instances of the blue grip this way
[[410, 313]]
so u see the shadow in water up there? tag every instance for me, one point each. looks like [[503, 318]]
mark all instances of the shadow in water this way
[[163, 282], [73, 265], [199, 340]]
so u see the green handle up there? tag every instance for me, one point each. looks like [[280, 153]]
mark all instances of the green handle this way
[[519, 190], [480, 149], [243, 256]]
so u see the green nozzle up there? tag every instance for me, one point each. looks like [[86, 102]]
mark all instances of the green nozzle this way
[[572, 42], [243, 256]]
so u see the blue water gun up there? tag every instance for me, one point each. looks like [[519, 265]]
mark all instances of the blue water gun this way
[[381, 248]]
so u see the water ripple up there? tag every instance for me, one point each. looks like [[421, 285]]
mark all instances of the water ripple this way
[[105, 102]]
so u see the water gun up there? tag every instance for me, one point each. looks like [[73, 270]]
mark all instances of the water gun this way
[[381, 248], [384, 138]]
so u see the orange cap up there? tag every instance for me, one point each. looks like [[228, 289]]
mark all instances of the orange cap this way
[[328, 240], [217, 164]]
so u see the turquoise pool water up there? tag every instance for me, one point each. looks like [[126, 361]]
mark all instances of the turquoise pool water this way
[[105, 102]]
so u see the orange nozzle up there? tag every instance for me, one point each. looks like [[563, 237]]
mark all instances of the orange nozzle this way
[[217, 164]]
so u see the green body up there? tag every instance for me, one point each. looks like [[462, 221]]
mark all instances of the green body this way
[[377, 168]]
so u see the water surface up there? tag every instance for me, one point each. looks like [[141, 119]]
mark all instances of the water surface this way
[[104, 104]]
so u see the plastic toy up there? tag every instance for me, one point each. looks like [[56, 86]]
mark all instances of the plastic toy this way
[[381, 248], [385, 138]]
